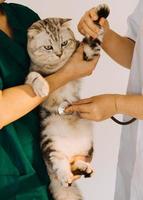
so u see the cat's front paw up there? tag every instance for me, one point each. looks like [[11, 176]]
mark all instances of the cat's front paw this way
[[38, 83], [102, 10], [90, 52]]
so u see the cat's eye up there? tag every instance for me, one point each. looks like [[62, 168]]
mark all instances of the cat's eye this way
[[49, 47], [64, 43]]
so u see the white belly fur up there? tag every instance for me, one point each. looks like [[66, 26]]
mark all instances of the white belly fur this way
[[71, 136]]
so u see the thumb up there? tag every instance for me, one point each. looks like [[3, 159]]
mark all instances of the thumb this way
[[104, 23], [79, 52], [80, 48], [95, 60]]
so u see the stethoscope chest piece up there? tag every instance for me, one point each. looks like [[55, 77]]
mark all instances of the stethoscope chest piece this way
[[62, 107]]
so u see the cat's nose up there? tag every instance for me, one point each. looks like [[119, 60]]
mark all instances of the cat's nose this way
[[59, 54]]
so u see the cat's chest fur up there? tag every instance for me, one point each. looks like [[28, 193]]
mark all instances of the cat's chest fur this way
[[69, 92]]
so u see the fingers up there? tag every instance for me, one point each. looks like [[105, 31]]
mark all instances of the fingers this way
[[87, 26], [94, 17], [77, 108], [81, 30], [88, 30], [83, 101], [92, 14], [90, 24], [94, 61], [83, 110]]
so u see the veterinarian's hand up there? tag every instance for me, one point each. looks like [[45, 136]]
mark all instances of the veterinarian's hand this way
[[74, 69], [77, 67], [96, 108], [87, 27]]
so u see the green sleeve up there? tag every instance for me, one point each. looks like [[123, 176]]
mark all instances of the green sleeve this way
[[1, 83]]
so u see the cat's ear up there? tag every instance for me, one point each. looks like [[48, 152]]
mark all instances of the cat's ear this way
[[64, 21], [32, 32], [35, 29]]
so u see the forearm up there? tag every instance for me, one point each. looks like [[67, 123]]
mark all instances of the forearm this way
[[17, 101], [59, 79], [118, 48], [131, 105]]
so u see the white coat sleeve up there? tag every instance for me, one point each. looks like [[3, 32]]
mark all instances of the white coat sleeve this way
[[134, 21]]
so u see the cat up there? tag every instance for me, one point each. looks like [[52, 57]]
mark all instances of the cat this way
[[51, 43]]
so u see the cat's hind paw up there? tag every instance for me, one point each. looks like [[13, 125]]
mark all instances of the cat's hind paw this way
[[64, 177], [82, 168]]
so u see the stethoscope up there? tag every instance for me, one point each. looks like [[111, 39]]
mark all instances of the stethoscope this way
[[66, 103], [123, 123]]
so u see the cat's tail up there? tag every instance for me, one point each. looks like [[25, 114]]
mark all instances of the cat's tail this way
[[64, 193], [102, 11]]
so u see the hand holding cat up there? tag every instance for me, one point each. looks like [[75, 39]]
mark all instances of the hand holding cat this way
[[96, 108], [87, 26], [77, 67]]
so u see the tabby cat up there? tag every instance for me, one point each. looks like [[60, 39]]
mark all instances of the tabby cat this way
[[51, 43]]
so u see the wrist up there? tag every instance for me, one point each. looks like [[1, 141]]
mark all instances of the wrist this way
[[106, 38], [57, 80], [67, 73], [119, 103]]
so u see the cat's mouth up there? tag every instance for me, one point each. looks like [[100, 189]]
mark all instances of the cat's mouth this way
[[49, 69], [58, 63]]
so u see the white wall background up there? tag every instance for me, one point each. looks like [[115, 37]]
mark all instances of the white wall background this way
[[107, 78]]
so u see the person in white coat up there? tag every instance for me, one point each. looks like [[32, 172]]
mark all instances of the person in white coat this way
[[127, 51]]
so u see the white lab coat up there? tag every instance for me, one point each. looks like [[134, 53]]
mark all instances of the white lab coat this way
[[129, 180]]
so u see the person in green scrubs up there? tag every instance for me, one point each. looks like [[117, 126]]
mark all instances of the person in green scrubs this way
[[23, 175]]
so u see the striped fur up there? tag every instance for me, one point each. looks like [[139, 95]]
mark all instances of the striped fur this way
[[50, 45]]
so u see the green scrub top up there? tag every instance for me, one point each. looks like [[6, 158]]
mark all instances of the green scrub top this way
[[23, 175]]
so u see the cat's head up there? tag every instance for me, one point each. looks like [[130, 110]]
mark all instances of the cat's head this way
[[50, 44]]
